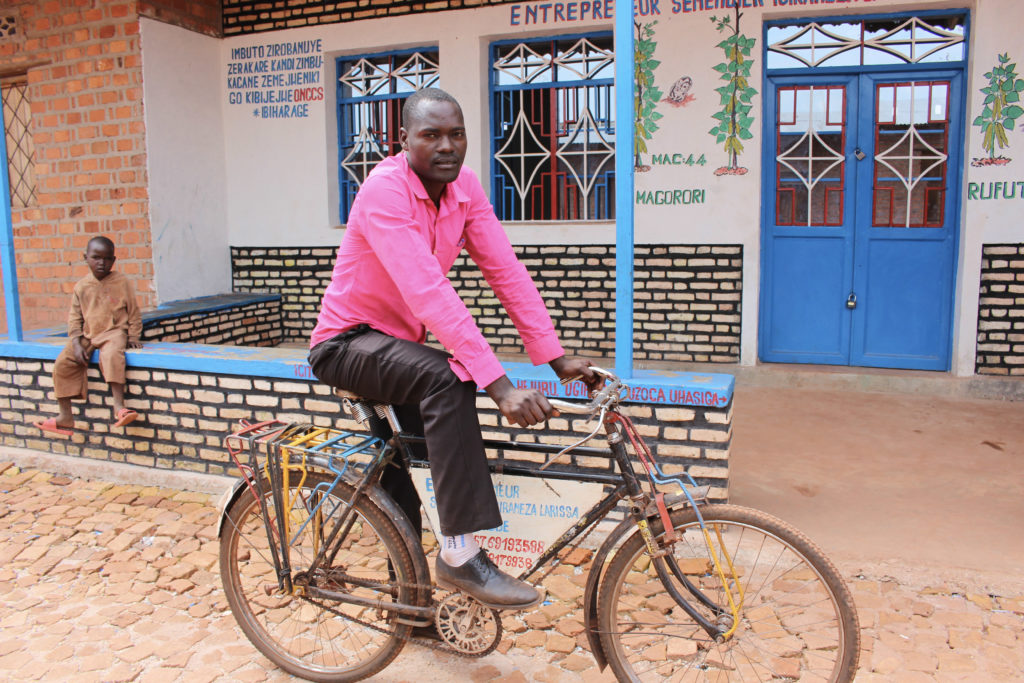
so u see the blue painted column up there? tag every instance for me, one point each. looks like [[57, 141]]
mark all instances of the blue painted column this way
[[624, 124], [10, 271]]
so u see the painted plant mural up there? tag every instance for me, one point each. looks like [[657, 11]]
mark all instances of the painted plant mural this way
[[1001, 110], [733, 118]]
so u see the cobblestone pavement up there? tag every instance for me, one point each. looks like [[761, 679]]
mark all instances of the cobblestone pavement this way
[[111, 582]]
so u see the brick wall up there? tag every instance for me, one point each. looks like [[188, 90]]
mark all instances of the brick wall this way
[[298, 275], [83, 66], [185, 417], [1001, 311], [687, 298], [201, 16], [256, 16], [255, 324]]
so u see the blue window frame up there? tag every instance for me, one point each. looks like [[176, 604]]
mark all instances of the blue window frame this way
[[371, 92], [553, 128]]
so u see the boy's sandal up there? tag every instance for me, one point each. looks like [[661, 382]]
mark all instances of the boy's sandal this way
[[125, 416], [50, 426]]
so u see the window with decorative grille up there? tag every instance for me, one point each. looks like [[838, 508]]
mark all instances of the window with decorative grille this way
[[371, 92], [932, 39], [553, 128], [20, 150]]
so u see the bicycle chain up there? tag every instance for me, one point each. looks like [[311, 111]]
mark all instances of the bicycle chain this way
[[440, 646]]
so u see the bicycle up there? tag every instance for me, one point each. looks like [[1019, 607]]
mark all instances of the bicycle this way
[[327, 578]]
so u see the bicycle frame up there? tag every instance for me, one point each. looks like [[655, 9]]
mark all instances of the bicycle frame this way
[[305, 450]]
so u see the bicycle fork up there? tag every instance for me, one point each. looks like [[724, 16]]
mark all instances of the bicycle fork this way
[[725, 618]]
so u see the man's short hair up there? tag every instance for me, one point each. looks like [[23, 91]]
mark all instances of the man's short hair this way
[[424, 95], [100, 239]]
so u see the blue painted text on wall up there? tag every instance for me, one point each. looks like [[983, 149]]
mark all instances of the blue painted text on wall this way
[[997, 189], [281, 78], [670, 197]]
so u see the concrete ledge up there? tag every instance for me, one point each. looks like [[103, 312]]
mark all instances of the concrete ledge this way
[[661, 387], [116, 472]]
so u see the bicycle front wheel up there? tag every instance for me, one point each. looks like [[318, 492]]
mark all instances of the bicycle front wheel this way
[[310, 637], [782, 607]]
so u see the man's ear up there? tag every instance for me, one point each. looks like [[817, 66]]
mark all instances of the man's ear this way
[[403, 137]]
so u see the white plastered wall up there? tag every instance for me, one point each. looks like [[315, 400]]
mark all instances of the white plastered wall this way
[[185, 162], [995, 31], [281, 175]]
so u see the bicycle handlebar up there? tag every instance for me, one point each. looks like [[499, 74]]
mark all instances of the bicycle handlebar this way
[[607, 397]]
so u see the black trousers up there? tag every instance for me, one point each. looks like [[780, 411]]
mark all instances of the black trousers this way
[[428, 395]]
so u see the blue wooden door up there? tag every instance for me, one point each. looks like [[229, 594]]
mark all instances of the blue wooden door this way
[[860, 226]]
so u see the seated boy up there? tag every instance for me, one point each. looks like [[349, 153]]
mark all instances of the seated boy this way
[[104, 315]]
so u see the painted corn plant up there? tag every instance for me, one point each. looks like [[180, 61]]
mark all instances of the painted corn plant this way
[[1002, 95], [733, 119], [646, 97]]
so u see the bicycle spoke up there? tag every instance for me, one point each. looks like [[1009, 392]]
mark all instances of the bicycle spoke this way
[[304, 634], [793, 624]]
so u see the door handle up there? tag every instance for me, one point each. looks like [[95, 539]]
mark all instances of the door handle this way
[[851, 301]]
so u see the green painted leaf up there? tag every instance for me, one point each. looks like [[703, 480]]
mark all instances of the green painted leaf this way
[[1013, 112], [979, 121], [1008, 124], [1012, 97], [745, 134]]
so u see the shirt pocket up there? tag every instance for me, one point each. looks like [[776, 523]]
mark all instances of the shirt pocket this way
[[447, 253]]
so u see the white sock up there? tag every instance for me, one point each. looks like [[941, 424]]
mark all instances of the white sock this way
[[458, 550]]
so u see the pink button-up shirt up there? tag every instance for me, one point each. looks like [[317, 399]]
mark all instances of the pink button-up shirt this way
[[391, 270]]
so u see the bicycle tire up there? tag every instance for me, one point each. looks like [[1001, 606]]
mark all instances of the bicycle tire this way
[[302, 637], [797, 617]]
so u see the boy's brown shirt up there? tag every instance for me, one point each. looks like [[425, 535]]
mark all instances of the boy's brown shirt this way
[[99, 306]]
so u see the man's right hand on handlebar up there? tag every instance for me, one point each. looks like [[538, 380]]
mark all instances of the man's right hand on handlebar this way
[[528, 407], [522, 407]]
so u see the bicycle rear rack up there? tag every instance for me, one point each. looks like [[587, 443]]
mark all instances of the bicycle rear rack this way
[[280, 456]]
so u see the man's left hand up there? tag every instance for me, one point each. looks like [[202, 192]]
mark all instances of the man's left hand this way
[[573, 367]]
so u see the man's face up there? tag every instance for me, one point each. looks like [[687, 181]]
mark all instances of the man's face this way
[[100, 259], [435, 144]]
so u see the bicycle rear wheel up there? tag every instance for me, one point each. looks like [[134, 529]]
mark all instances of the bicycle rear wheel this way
[[317, 639], [796, 618]]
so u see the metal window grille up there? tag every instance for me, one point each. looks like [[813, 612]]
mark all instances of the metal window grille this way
[[371, 92], [928, 39], [811, 165], [553, 128], [20, 150]]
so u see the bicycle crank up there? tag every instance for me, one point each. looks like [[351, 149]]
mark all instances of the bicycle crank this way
[[467, 626]]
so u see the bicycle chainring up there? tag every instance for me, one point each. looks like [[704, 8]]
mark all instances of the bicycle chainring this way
[[467, 626]]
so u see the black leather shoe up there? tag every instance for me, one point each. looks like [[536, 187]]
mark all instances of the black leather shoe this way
[[482, 580]]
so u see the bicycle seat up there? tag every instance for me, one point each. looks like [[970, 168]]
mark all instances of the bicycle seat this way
[[345, 393]]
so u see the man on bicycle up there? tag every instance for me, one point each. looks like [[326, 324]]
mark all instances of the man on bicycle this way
[[412, 216]]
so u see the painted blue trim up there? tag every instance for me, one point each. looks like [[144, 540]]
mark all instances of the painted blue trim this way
[[552, 84], [624, 183], [833, 18], [837, 71], [646, 386], [10, 269]]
